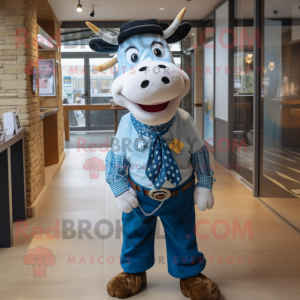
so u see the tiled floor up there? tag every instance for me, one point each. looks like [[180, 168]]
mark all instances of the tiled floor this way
[[263, 265], [287, 208]]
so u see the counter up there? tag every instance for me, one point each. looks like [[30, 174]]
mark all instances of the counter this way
[[12, 186], [49, 132], [46, 112]]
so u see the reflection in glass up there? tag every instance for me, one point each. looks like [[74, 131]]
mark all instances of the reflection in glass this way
[[208, 93], [207, 40], [73, 89], [242, 148], [100, 92], [280, 97]]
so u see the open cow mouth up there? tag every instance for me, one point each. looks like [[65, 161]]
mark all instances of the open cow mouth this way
[[154, 108]]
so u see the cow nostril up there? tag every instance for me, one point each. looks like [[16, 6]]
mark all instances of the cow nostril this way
[[162, 66], [143, 69], [144, 84], [165, 80]]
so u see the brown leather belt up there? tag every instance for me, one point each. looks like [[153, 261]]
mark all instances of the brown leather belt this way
[[159, 195]]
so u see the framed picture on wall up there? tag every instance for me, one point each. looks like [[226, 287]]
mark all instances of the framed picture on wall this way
[[18, 126], [12, 123], [47, 77]]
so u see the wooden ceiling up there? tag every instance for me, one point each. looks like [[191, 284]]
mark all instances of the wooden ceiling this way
[[44, 11]]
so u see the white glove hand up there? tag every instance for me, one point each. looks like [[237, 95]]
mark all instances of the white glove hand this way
[[127, 201], [204, 198]]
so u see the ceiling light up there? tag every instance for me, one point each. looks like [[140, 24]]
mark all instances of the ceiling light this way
[[79, 7], [92, 14], [249, 58], [271, 66], [193, 34], [264, 70], [162, 8]]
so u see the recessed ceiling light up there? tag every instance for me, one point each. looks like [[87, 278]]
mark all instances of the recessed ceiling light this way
[[162, 8], [193, 33]]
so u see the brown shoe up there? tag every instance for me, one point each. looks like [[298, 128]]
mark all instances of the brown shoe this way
[[199, 287], [125, 285]]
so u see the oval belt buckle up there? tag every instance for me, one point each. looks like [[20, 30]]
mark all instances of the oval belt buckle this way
[[161, 192]]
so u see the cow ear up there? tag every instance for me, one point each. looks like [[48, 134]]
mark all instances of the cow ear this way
[[181, 32], [100, 46]]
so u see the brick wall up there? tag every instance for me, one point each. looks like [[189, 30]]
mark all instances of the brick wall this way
[[16, 85]]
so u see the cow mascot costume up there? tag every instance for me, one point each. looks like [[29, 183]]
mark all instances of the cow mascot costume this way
[[155, 156]]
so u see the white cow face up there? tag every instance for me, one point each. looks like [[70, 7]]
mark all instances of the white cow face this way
[[149, 85]]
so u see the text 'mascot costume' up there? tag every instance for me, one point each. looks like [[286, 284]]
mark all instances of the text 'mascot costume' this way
[[156, 153]]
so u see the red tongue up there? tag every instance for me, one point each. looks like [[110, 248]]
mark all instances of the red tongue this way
[[154, 108]]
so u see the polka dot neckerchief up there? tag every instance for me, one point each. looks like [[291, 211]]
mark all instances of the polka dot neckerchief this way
[[161, 164]]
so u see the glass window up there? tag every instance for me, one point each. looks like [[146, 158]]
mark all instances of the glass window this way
[[175, 47], [209, 93], [208, 80], [100, 92], [101, 82], [280, 97], [94, 85], [242, 149], [105, 85], [177, 61], [73, 89], [221, 95]]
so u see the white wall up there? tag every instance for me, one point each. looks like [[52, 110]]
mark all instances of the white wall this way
[[221, 91], [198, 118]]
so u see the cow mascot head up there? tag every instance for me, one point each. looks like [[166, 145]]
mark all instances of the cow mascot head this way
[[154, 178], [149, 84]]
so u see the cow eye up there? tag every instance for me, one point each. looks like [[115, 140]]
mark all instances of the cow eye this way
[[158, 50], [132, 55]]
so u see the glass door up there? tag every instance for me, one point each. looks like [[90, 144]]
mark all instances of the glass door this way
[[188, 66], [74, 90], [208, 92], [100, 93], [83, 84], [242, 116], [280, 103]]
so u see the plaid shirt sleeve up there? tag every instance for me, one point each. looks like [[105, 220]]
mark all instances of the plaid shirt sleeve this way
[[201, 165], [115, 173]]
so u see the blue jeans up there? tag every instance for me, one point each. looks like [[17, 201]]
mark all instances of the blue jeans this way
[[178, 218]]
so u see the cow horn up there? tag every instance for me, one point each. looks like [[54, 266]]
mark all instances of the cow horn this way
[[172, 28], [105, 37], [107, 65]]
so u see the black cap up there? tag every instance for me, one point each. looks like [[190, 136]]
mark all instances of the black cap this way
[[135, 27]]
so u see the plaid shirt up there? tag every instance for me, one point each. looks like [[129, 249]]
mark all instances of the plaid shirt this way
[[202, 167], [116, 171]]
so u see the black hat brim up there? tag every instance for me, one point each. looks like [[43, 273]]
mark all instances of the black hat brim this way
[[140, 29], [100, 46], [181, 32]]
